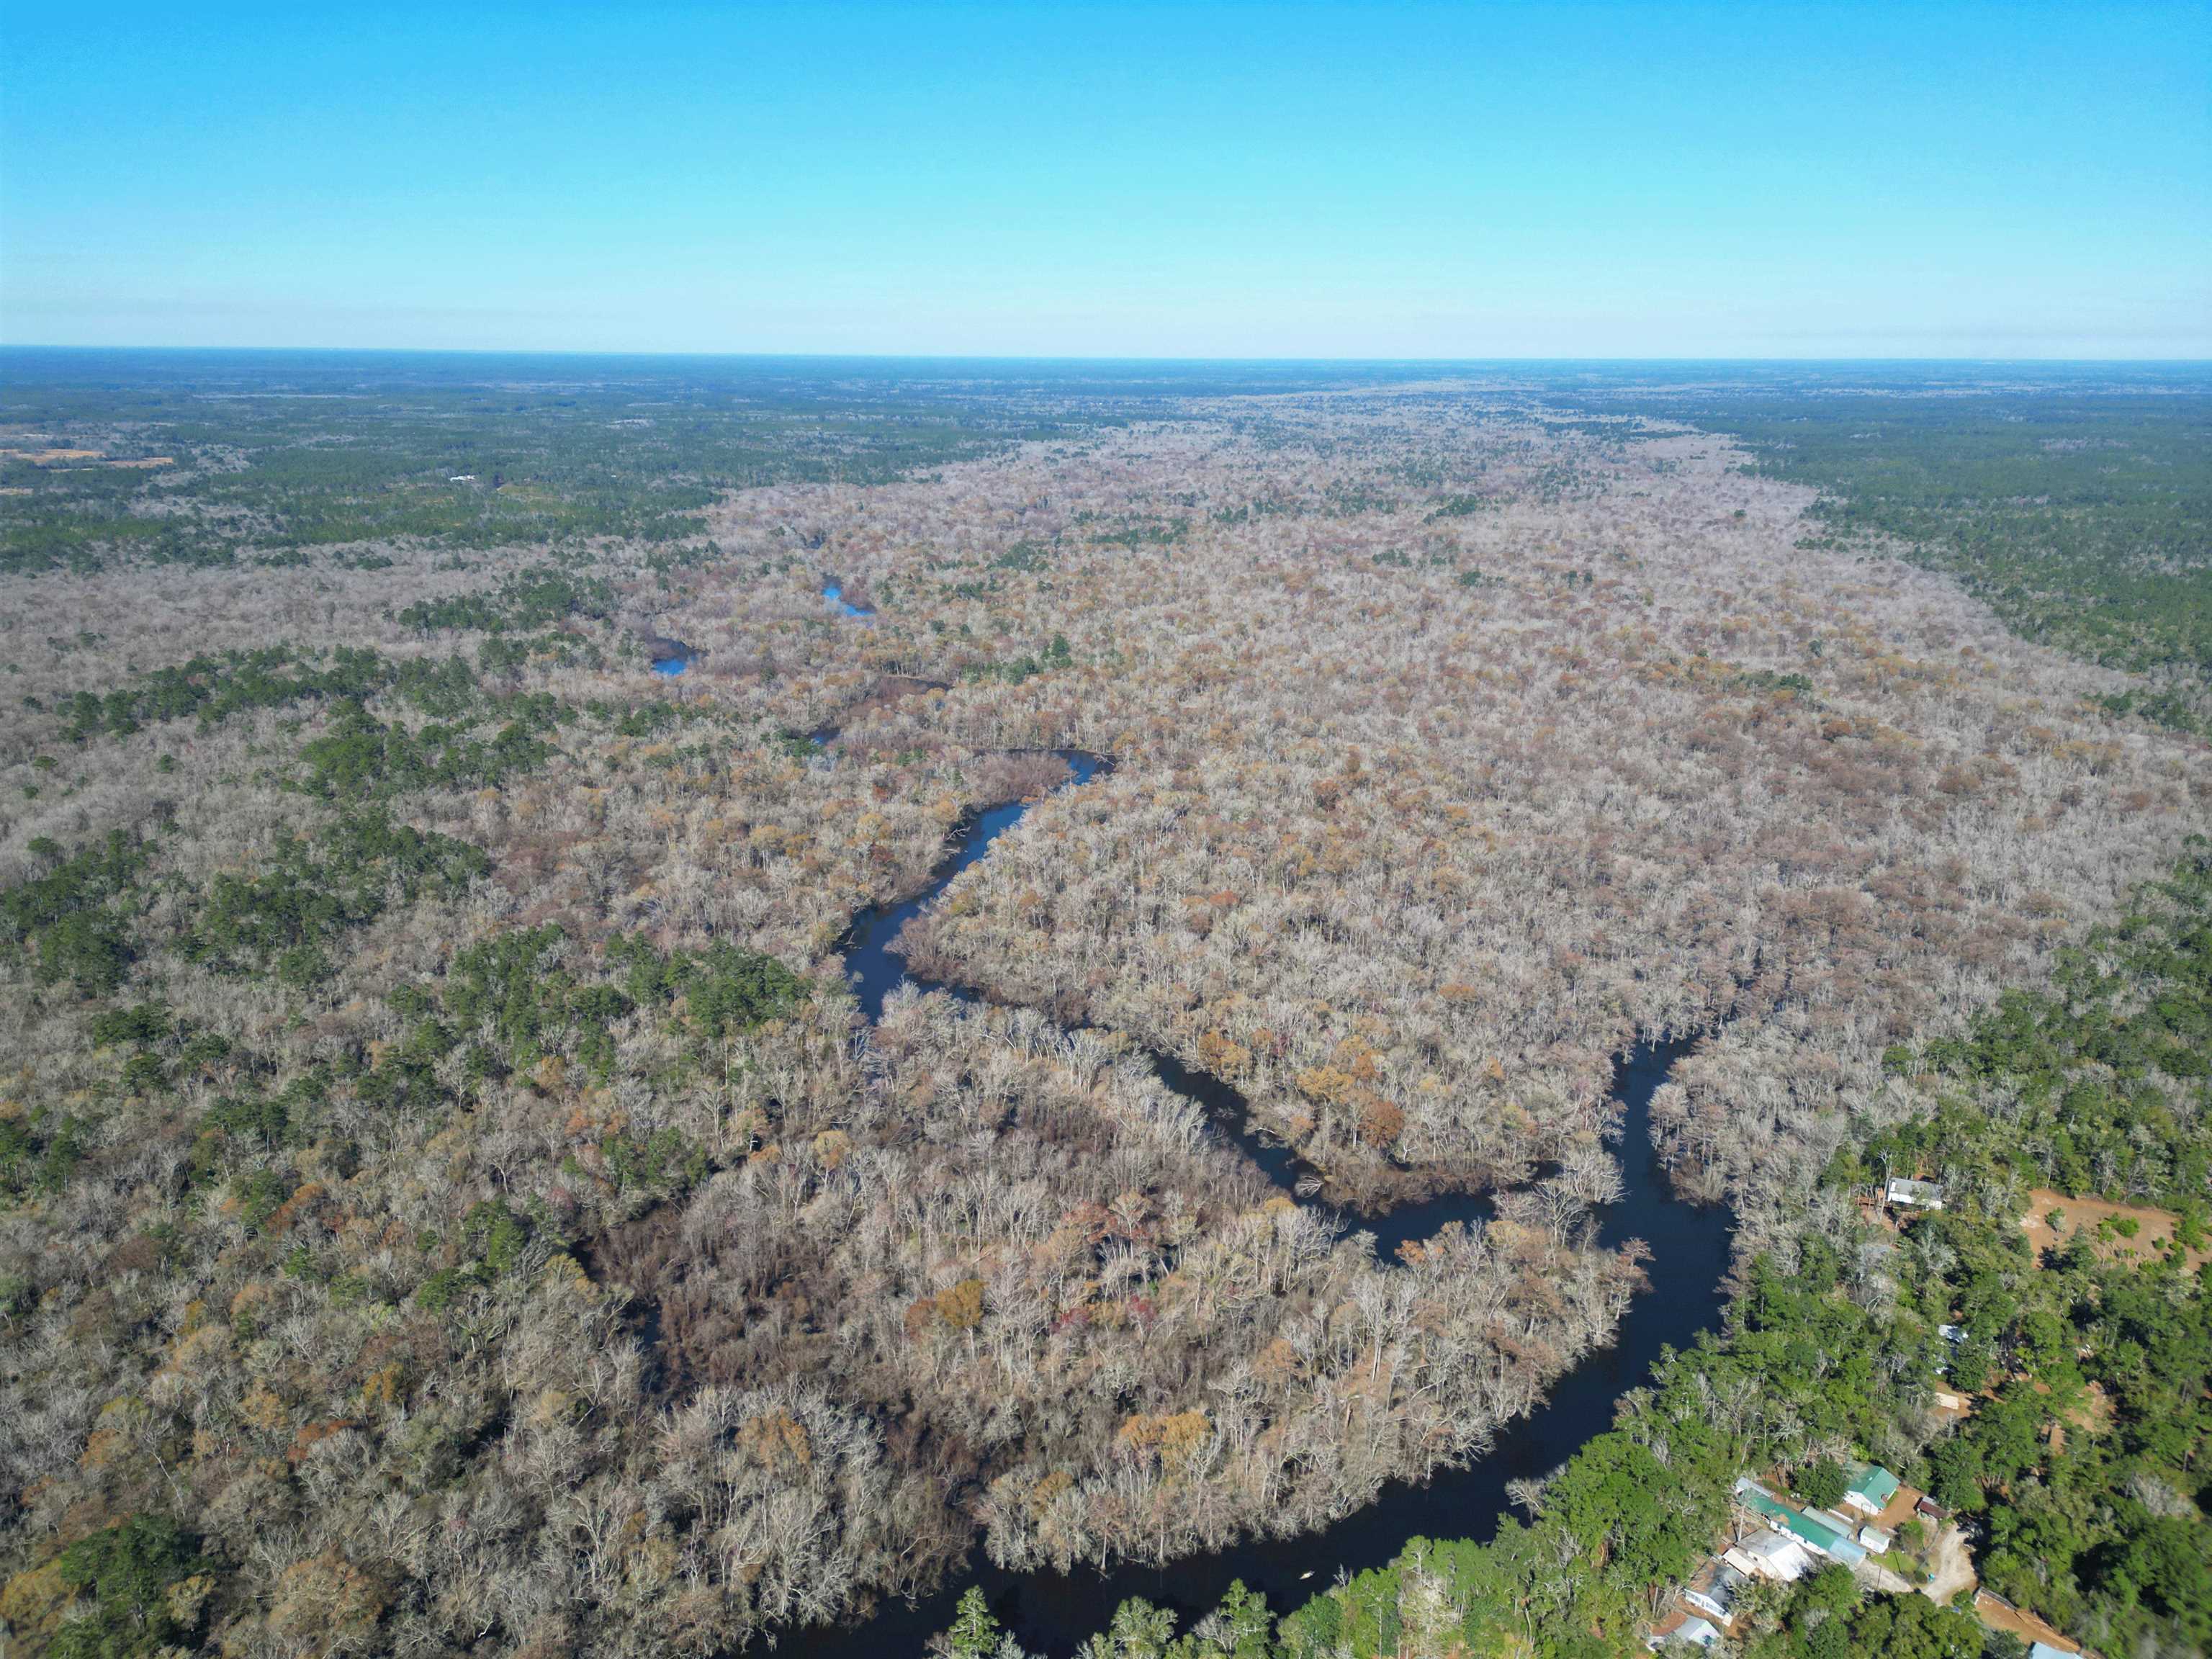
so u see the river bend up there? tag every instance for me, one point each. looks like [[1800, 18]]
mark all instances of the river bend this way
[[1053, 1612]]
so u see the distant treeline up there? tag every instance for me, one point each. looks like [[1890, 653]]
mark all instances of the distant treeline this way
[[2084, 515]]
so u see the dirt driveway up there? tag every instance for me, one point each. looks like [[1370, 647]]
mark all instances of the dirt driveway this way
[[1952, 1564]]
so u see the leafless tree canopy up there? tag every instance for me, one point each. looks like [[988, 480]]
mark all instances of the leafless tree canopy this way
[[1450, 752]]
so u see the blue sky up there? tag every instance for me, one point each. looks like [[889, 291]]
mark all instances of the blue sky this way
[[1304, 180]]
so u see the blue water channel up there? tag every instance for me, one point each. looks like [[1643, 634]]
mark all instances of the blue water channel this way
[[835, 594], [1053, 1612]]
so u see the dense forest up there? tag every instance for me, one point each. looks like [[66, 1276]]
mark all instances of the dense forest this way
[[452, 1198], [2085, 1345]]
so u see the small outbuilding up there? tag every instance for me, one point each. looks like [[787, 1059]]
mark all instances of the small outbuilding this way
[[1904, 1192], [1715, 1591], [1696, 1631]]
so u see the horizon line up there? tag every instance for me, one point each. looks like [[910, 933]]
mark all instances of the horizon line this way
[[15, 347]]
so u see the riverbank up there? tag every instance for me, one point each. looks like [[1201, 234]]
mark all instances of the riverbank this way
[[1052, 1612], [1686, 1259]]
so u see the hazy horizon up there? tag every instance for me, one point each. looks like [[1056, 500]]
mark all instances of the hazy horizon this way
[[23, 348]]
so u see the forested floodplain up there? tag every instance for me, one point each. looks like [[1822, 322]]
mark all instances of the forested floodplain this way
[[2078, 502], [452, 1197]]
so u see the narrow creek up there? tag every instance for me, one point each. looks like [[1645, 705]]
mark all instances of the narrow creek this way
[[1052, 1612], [835, 592]]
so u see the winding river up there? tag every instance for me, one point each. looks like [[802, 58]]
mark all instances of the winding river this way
[[1053, 1611]]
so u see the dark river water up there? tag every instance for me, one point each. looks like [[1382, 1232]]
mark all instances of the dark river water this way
[[1052, 1611]]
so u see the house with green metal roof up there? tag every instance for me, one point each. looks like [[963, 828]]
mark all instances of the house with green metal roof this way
[[1831, 1542], [1871, 1488]]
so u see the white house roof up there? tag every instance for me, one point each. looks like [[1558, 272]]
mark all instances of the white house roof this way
[[1772, 1555]]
